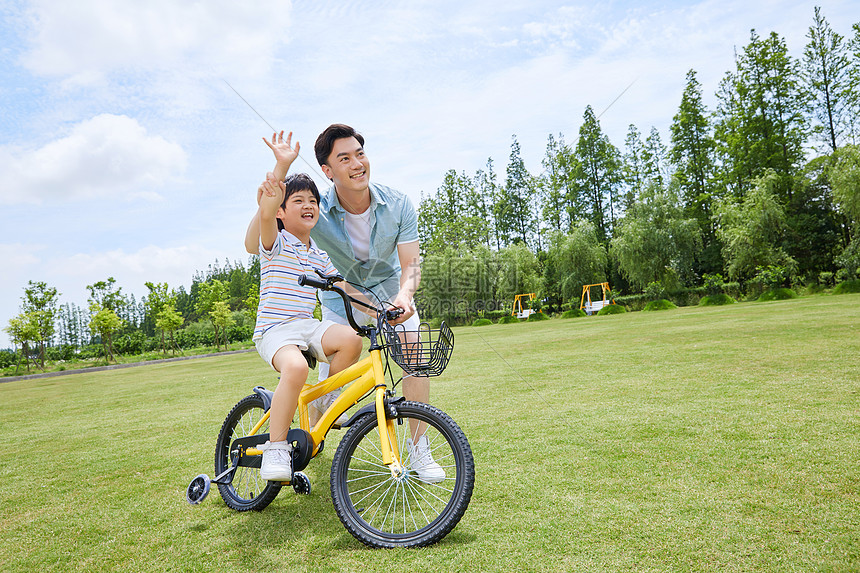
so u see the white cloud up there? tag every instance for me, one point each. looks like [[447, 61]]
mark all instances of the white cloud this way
[[106, 156], [88, 38]]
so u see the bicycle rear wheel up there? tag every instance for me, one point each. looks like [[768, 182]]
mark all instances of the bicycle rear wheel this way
[[248, 490], [381, 510]]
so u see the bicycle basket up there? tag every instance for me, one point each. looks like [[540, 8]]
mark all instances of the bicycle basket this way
[[423, 352]]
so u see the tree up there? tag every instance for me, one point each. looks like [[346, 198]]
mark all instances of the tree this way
[[221, 320], [572, 260], [751, 230], [518, 271], [40, 304], [845, 180], [761, 121], [161, 306], [22, 330], [515, 210], [633, 170], [691, 154], [654, 158], [826, 73], [597, 175], [169, 321], [559, 199], [656, 241], [105, 322]]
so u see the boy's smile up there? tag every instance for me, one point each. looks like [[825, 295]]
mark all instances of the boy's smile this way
[[300, 213]]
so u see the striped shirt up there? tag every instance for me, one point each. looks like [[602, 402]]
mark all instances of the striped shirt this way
[[281, 297]]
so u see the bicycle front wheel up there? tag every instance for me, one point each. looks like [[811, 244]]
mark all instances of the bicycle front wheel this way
[[248, 490], [417, 508]]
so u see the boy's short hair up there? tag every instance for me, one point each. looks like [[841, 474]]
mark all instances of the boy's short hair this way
[[325, 141], [295, 183]]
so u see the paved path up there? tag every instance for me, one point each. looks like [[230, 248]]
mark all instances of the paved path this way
[[117, 366]]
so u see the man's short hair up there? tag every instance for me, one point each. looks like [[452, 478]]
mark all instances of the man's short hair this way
[[324, 143], [295, 183]]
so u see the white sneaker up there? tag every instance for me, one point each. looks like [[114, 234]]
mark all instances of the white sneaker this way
[[277, 461], [323, 402], [421, 461]]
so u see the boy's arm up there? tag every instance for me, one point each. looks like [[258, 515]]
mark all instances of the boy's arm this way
[[270, 202], [285, 154]]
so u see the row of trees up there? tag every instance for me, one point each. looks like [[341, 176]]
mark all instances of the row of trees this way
[[767, 180], [217, 308]]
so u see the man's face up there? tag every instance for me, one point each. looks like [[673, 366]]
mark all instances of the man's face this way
[[347, 165]]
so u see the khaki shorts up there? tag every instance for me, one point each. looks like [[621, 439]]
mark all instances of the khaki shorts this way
[[306, 333]]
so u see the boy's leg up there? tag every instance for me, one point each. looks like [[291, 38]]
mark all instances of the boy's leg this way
[[294, 372], [277, 452]]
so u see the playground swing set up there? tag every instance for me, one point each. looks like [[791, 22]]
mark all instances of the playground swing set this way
[[519, 308], [591, 306]]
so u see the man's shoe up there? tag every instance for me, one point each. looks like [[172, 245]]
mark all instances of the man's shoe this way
[[277, 461], [323, 402], [421, 461]]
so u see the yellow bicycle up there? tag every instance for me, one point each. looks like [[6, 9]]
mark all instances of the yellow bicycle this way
[[376, 484]]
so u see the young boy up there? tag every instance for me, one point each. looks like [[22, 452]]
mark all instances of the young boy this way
[[285, 324]]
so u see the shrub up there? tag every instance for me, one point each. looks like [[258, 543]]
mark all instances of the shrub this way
[[536, 316], [661, 304], [482, 322], [847, 287], [573, 313], [508, 319], [825, 278], [777, 294], [634, 301], [612, 309], [716, 300], [713, 284]]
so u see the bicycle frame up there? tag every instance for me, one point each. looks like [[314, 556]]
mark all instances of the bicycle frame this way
[[362, 377]]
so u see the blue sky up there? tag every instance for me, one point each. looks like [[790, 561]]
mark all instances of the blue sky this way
[[124, 153]]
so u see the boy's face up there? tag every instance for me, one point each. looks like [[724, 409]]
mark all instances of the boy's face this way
[[300, 213], [347, 165]]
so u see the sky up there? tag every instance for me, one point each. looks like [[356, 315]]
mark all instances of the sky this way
[[127, 151]]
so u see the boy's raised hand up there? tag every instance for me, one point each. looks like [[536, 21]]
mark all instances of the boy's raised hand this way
[[285, 154], [270, 194]]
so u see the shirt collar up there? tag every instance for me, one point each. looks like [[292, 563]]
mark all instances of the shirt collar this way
[[334, 201], [295, 241]]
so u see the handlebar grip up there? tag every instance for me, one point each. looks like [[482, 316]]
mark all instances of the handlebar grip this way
[[307, 280], [393, 313]]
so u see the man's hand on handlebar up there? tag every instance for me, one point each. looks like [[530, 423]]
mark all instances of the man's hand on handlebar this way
[[406, 305]]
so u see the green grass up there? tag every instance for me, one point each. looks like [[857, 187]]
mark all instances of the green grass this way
[[705, 439], [846, 287]]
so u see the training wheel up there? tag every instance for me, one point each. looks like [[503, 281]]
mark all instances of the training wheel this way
[[198, 489], [301, 483]]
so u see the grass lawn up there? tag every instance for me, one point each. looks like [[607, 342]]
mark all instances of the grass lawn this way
[[697, 439]]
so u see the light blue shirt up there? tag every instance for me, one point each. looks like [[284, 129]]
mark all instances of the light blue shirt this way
[[393, 221]]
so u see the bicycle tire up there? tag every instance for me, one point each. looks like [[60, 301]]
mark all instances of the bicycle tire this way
[[247, 491], [414, 513]]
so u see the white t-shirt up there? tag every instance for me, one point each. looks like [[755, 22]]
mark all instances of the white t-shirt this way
[[358, 229]]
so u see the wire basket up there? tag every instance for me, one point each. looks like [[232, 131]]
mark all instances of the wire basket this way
[[423, 352]]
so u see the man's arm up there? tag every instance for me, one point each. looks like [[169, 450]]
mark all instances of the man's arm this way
[[410, 278]]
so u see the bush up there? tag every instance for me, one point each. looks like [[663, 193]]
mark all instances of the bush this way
[[716, 300], [825, 278], [777, 294], [661, 304], [536, 316], [573, 313], [482, 322], [634, 301], [508, 319], [847, 287], [612, 309]]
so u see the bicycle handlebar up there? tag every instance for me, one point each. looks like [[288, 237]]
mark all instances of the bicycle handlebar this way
[[327, 283]]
